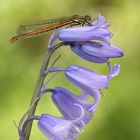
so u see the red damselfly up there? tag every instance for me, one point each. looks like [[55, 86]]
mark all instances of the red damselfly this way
[[39, 27]]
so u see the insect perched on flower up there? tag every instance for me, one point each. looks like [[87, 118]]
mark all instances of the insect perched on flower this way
[[39, 27]]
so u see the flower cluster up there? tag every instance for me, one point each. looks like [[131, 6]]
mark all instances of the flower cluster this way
[[92, 44], [76, 110]]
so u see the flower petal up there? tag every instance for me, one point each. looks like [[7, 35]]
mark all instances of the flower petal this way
[[52, 39], [65, 102], [97, 31], [114, 71], [84, 78], [101, 22], [87, 55], [97, 49], [83, 35], [56, 128]]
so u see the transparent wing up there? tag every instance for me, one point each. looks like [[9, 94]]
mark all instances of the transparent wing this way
[[39, 25]]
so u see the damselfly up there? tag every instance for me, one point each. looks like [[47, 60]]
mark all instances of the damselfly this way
[[39, 27]]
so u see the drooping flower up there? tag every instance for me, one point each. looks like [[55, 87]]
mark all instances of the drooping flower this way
[[65, 102], [89, 42], [97, 31], [56, 128], [97, 52], [85, 78]]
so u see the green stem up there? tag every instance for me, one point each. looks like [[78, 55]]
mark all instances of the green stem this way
[[38, 86]]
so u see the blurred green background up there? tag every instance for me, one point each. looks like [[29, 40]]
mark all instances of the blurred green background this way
[[118, 114]]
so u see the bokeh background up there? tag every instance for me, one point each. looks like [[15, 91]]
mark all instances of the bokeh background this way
[[118, 114]]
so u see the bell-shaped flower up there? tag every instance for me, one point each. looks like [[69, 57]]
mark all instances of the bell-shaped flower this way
[[96, 31], [65, 102], [89, 42], [56, 128], [85, 78], [97, 52]]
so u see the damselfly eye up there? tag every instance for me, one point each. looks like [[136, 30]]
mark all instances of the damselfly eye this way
[[87, 17]]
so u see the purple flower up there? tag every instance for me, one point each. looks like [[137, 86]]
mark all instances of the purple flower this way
[[65, 102], [97, 31], [96, 51], [85, 78], [56, 128], [99, 50]]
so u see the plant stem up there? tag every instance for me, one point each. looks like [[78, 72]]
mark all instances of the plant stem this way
[[38, 87]]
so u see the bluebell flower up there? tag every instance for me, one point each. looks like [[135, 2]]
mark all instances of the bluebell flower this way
[[76, 113], [97, 31], [56, 128], [99, 50], [65, 102], [85, 78]]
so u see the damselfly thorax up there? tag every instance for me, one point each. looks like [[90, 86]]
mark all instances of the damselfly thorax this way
[[40, 27]]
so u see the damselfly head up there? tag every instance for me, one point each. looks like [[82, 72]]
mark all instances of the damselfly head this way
[[87, 18]]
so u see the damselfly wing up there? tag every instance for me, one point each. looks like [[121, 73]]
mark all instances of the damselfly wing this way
[[40, 27]]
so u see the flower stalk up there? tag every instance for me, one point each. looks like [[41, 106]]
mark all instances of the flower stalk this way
[[38, 86]]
